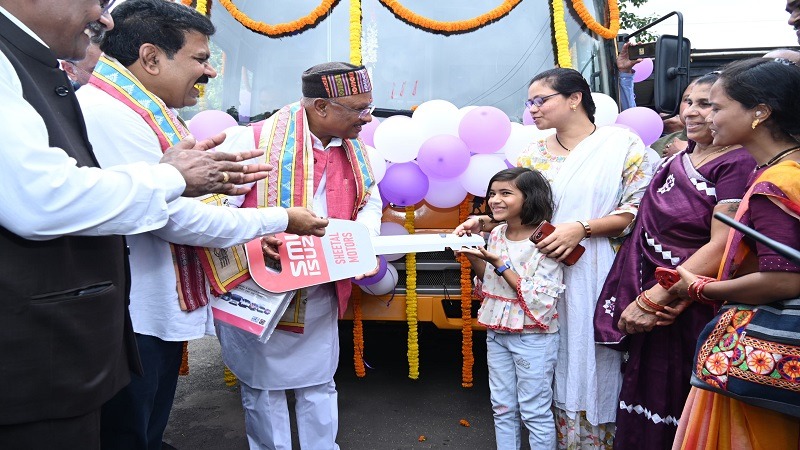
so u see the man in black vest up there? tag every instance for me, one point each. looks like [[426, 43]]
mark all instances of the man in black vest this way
[[65, 336]]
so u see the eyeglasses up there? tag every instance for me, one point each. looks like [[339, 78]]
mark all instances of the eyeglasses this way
[[538, 101], [106, 5], [362, 113], [784, 61]]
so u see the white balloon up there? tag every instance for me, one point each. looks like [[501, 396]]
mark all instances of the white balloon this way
[[393, 229], [445, 193], [377, 162], [398, 139], [436, 117], [607, 109], [385, 285], [520, 138], [481, 169]]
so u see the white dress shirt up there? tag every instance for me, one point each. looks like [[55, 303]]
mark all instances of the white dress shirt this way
[[121, 136], [44, 195]]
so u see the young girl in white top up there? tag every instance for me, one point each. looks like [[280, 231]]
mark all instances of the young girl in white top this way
[[519, 288]]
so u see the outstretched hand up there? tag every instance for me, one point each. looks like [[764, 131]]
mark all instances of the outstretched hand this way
[[471, 225], [303, 222], [213, 172]]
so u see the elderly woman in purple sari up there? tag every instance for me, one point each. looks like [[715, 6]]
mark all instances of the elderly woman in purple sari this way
[[674, 226]]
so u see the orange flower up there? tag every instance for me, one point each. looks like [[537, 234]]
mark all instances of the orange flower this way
[[717, 364], [464, 423], [586, 17], [790, 368], [281, 29], [760, 362], [358, 333], [466, 306], [460, 26], [422, 438]]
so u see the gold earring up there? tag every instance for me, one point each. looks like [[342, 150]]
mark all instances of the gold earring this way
[[573, 107], [755, 123]]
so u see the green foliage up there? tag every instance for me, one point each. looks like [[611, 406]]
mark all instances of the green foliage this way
[[631, 22]]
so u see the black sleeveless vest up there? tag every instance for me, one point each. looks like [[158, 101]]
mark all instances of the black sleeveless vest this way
[[65, 337]]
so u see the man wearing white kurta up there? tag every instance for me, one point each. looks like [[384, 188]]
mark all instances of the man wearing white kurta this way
[[138, 414], [326, 122]]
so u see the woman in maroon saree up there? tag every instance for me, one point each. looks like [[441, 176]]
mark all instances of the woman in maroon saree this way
[[674, 227]]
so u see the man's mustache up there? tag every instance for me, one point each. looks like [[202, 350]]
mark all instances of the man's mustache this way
[[202, 80], [96, 32]]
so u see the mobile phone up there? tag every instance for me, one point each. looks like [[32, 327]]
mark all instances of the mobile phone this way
[[647, 50], [545, 229], [667, 277]]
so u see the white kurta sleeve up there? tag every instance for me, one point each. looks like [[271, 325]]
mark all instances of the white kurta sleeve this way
[[44, 195], [191, 222]]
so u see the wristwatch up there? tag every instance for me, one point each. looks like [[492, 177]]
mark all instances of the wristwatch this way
[[499, 270]]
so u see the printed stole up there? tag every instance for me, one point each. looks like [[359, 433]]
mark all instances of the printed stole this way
[[298, 169], [114, 79], [783, 176]]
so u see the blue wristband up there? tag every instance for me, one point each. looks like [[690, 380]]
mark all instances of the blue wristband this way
[[499, 270]]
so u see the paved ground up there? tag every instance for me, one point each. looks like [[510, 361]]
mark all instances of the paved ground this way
[[384, 410]]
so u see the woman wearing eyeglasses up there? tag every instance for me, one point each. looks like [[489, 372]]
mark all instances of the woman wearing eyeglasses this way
[[598, 176]]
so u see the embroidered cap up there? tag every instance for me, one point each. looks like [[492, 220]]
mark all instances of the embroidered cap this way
[[335, 79]]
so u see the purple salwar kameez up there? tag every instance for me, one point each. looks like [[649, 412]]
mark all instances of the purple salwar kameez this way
[[674, 221]]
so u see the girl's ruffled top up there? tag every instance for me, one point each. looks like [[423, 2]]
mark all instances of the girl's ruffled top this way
[[530, 306]]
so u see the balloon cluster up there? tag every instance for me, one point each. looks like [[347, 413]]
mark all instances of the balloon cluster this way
[[442, 153]]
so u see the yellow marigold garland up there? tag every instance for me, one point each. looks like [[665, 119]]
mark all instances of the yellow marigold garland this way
[[562, 38], [456, 27], [230, 378], [466, 306], [202, 7], [586, 17], [355, 32], [358, 333], [411, 302], [281, 29]]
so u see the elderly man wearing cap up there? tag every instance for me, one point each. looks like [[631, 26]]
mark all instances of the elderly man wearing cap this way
[[315, 143]]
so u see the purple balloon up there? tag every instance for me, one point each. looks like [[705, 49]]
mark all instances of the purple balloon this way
[[404, 184], [642, 70], [645, 121], [443, 156], [527, 118], [485, 129], [366, 281], [210, 123], [367, 133]]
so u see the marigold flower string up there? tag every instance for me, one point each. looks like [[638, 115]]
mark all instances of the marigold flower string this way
[[358, 333], [184, 369], [281, 29], [355, 32], [202, 7], [411, 302], [468, 359], [230, 378], [562, 38], [455, 27], [586, 17]]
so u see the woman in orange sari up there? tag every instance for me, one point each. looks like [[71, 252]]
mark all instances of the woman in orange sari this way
[[754, 103]]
